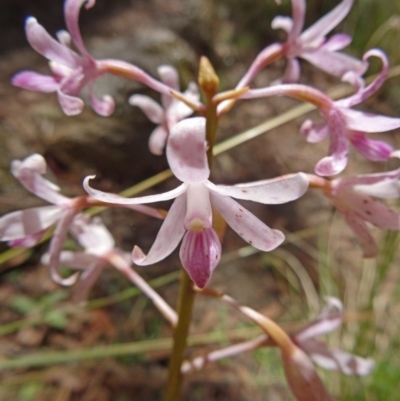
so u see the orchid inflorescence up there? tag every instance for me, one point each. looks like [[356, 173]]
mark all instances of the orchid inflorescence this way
[[198, 202]]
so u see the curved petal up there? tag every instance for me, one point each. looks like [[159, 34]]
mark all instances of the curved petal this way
[[35, 82], [71, 105], [48, 47], [104, 106], [365, 92], [298, 15], [314, 132], [337, 42], [28, 172], [200, 253], [325, 24], [370, 149], [276, 191], [71, 14], [169, 76], [334, 63], [186, 150], [292, 71], [248, 226], [367, 122], [336, 359], [157, 141], [120, 200], [153, 111], [363, 235], [285, 23], [23, 223], [56, 245], [168, 238], [87, 279]]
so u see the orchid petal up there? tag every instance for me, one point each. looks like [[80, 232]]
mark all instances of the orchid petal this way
[[168, 238], [71, 13], [200, 253], [22, 223], [71, 105], [157, 141], [336, 359], [298, 15], [88, 278], [35, 82], [186, 150], [72, 260], [180, 110], [56, 245], [314, 132], [28, 241], [169, 76], [64, 37], [285, 23], [48, 47], [120, 200], [370, 149], [325, 24], [337, 42], [333, 63], [28, 172], [153, 111], [276, 191], [329, 319], [367, 122], [198, 206], [360, 228], [104, 106], [386, 190], [292, 71], [248, 226]]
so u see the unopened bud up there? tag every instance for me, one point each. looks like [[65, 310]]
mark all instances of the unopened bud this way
[[208, 79]]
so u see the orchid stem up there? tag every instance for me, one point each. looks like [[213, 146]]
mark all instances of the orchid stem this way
[[185, 306]]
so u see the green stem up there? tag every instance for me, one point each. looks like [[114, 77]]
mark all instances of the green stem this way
[[185, 306]]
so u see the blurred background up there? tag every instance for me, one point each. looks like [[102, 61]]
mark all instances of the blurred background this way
[[321, 256]]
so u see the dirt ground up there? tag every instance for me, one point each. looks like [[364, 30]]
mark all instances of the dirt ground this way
[[115, 149]]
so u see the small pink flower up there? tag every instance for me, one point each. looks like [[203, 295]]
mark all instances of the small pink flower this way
[[330, 318], [172, 110], [72, 71], [312, 44], [190, 216], [355, 197]]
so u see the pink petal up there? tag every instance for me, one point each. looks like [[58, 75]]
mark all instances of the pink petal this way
[[179, 110], [48, 47], [364, 237], [35, 82], [87, 279], [292, 71], [168, 238], [200, 253], [28, 172], [71, 15], [71, 105], [186, 150], [337, 42], [329, 319], [29, 241], [158, 140], [389, 189], [314, 132], [367, 122], [20, 224], [276, 191], [333, 63], [364, 93], [72, 260], [370, 149], [298, 15], [248, 226], [104, 106], [56, 245], [336, 359], [120, 200], [169, 76], [198, 206], [325, 24], [285, 23], [153, 111]]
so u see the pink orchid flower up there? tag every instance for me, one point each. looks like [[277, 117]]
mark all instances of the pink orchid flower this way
[[312, 44], [355, 197], [190, 216], [172, 110], [72, 71], [25, 228], [342, 123], [330, 318]]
